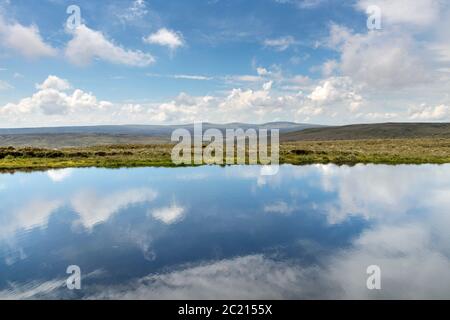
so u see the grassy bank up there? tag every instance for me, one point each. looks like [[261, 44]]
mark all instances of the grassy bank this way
[[386, 151]]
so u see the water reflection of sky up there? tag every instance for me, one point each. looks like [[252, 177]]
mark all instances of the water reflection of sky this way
[[211, 232]]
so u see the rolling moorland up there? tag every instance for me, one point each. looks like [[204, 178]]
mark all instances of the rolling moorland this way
[[61, 137], [133, 146]]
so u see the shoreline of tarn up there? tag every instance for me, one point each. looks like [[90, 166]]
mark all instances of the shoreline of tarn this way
[[341, 152]]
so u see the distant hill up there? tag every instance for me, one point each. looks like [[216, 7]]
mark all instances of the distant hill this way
[[371, 131], [153, 130], [56, 137]]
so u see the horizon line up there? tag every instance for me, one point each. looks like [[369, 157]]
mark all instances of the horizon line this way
[[220, 124]]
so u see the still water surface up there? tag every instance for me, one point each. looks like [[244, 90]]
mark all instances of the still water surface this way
[[229, 233]]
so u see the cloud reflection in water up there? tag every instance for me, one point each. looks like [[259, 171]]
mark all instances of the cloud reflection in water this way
[[308, 232]]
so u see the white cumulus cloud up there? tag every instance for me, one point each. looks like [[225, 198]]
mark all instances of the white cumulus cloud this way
[[52, 99], [87, 45], [427, 113], [379, 59], [337, 89], [26, 40], [411, 12], [167, 38], [53, 82]]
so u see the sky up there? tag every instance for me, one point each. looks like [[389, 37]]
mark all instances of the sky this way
[[256, 61]]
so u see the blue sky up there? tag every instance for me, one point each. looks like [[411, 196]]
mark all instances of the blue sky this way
[[154, 61]]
